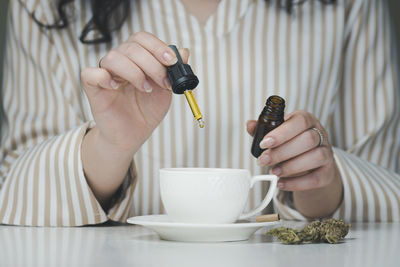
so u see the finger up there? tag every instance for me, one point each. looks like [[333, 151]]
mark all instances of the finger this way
[[148, 64], [119, 65], [251, 126], [313, 180], [300, 144], [298, 122], [156, 47], [96, 78], [158, 91], [310, 160]]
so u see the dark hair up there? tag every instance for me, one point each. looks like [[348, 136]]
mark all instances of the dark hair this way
[[109, 15]]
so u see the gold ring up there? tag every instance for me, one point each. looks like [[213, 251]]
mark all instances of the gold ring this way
[[321, 136]]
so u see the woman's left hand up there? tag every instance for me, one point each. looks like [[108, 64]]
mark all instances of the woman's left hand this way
[[303, 159], [296, 154]]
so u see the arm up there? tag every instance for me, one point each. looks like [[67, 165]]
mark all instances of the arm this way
[[100, 166], [42, 182], [54, 177], [367, 149], [365, 125]]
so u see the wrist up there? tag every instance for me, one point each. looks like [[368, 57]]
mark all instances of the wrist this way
[[102, 144], [105, 165], [320, 202]]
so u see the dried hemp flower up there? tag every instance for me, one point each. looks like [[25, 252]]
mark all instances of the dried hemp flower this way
[[328, 231]]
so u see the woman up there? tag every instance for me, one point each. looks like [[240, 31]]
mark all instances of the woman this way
[[67, 155]]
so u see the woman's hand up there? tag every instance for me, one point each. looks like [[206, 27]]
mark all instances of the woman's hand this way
[[304, 166], [128, 95]]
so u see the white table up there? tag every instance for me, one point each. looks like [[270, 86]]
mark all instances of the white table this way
[[366, 245]]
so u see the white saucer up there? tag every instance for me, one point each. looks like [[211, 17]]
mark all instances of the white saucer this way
[[190, 232]]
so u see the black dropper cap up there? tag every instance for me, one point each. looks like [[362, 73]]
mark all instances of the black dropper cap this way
[[181, 75]]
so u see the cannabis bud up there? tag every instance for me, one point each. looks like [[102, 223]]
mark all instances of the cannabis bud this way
[[329, 231]]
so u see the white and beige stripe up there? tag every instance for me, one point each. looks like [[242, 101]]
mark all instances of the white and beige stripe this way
[[335, 61]]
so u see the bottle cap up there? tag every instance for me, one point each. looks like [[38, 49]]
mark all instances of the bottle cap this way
[[181, 75]]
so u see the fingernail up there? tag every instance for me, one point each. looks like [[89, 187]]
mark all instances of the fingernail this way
[[264, 160], [170, 58], [167, 84], [114, 85], [147, 87], [277, 171], [281, 185], [267, 143]]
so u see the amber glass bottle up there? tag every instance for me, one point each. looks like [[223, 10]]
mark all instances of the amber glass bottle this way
[[270, 118]]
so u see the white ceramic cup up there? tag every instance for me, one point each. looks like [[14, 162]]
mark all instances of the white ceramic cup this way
[[210, 195]]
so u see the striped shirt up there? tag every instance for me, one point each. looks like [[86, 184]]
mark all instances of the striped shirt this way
[[334, 61]]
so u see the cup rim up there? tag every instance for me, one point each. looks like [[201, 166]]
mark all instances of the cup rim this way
[[202, 170]]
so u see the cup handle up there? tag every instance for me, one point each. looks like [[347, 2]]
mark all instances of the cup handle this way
[[268, 197]]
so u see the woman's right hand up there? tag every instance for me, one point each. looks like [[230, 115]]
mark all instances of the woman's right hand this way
[[128, 93]]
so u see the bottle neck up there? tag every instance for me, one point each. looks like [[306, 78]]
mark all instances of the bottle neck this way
[[274, 108], [272, 113]]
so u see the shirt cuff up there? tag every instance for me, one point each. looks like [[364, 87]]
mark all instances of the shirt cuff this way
[[370, 192]]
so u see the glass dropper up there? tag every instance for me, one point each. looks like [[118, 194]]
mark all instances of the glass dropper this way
[[183, 81]]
